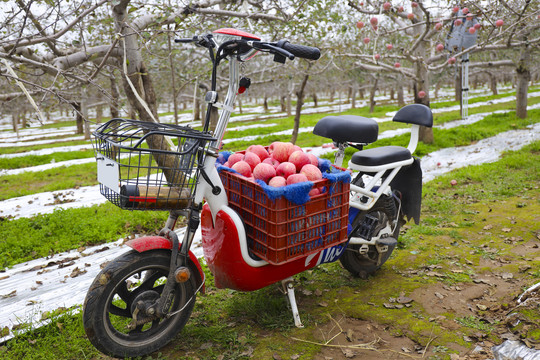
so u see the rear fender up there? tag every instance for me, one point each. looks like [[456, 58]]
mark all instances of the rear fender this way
[[147, 243], [408, 182]]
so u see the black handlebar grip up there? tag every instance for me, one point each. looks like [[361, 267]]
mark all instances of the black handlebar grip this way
[[301, 51]]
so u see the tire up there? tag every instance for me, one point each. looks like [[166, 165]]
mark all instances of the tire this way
[[360, 265], [110, 304]]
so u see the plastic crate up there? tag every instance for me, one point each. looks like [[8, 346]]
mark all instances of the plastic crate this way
[[280, 231]]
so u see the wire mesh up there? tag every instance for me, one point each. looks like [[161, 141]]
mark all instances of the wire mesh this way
[[149, 166]]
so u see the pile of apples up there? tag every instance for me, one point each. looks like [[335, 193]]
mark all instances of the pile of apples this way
[[281, 164]]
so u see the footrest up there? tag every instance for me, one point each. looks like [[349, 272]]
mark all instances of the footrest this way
[[387, 241]]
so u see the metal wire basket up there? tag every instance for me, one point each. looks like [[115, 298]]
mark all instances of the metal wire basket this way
[[149, 166]]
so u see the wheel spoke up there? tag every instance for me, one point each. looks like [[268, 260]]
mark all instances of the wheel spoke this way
[[149, 281], [124, 293], [115, 310]]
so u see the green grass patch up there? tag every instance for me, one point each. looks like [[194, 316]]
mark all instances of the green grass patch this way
[[49, 180], [34, 160], [64, 230]]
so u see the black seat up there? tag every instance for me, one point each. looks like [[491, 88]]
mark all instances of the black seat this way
[[348, 128], [381, 156], [417, 114]]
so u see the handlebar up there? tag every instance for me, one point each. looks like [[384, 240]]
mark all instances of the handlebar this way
[[282, 47], [301, 51]]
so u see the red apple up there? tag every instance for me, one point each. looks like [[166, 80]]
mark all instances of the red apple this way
[[299, 159], [271, 161], [360, 24], [499, 23], [234, 158], [285, 169], [465, 11], [277, 181], [414, 4], [400, 9], [421, 94], [226, 164], [296, 148], [472, 30], [252, 159], [264, 172], [397, 65], [410, 16], [242, 168], [374, 21], [439, 47], [455, 9], [377, 56], [366, 40], [259, 150], [387, 6], [314, 192], [438, 26], [280, 150], [296, 178], [374, 27], [313, 159], [312, 172], [477, 26], [458, 22], [452, 60], [453, 182], [389, 46]]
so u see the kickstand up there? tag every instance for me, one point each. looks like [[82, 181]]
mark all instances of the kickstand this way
[[288, 288]]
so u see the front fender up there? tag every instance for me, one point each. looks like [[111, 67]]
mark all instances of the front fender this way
[[147, 243]]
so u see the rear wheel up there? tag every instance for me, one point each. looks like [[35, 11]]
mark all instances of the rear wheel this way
[[366, 263], [126, 290]]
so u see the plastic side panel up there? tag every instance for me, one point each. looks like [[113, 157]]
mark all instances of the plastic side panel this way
[[147, 243], [223, 256]]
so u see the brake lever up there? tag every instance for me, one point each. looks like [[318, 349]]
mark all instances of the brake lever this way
[[279, 52]]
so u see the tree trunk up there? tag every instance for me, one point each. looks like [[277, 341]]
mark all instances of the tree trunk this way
[[78, 117], [523, 77], [99, 114], [113, 106], [392, 94], [372, 95], [84, 111], [353, 97], [401, 99], [265, 103], [299, 103], [315, 100], [289, 104], [423, 79], [493, 83], [173, 79], [240, 106], [15, 121], [140, 79]]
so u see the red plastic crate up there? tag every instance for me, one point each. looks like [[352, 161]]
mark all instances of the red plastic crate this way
[[280, 231]]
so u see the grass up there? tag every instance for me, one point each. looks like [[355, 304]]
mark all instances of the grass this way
[[48, 234], [232, 325]]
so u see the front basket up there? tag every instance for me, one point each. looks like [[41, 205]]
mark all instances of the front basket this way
[[149, 166]]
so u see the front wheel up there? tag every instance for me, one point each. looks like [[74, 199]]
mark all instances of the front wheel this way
[[116, 316]]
